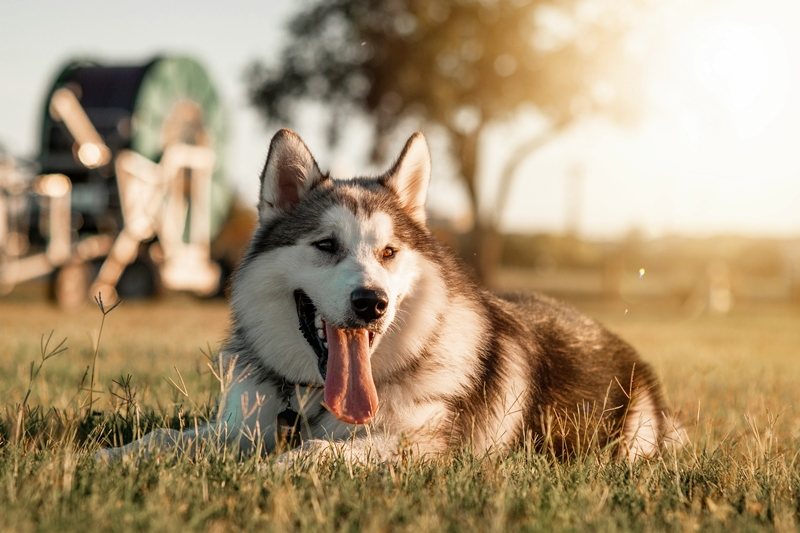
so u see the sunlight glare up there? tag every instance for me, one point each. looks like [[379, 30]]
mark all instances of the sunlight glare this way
[[733, 69], [724, 75], [732, 63]]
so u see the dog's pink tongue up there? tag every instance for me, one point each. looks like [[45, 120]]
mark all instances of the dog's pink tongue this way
[[350, 392]]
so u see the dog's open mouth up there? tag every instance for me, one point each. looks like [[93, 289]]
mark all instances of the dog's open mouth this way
[[343, 360], [315, 336]]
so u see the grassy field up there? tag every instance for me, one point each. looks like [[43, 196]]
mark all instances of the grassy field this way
[[734, 380]]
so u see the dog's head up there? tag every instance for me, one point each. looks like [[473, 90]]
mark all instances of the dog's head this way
[[328, 267]]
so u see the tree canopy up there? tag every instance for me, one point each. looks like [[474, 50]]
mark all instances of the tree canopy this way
[[460, 64]]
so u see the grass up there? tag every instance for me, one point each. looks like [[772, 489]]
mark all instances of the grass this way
[[733, 380]]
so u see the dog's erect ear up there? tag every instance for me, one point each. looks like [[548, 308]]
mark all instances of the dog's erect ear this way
[[289, 173], [410, 176]]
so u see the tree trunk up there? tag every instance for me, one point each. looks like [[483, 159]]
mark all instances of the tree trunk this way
[[466, 149], [491, 241], [485, 244]]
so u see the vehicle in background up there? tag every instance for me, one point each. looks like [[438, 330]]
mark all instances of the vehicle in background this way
[[131, 188]]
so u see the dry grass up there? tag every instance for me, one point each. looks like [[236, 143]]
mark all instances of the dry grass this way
[[718, 369], [733, 379], [145, 340]]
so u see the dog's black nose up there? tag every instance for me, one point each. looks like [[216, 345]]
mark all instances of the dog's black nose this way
[[369, 304]]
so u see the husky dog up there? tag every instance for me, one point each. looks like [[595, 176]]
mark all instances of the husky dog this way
[[353, 328]]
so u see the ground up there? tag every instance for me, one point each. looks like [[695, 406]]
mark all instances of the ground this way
[[733, 380]]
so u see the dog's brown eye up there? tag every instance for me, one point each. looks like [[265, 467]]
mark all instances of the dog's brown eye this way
[[388, 252], [327, 245]]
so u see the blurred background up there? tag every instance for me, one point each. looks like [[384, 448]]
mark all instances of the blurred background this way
[[622, 151]]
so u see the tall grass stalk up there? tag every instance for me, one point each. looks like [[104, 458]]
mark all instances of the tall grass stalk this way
[[99, 301]]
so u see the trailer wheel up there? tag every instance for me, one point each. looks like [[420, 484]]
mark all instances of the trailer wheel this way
[[71, 285], [138, 282]]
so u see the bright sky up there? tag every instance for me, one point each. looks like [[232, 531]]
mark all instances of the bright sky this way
[[716, 154]]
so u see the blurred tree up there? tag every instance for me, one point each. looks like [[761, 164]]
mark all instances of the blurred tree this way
[[461, 64]]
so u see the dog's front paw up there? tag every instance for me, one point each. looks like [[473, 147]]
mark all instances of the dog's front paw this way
[[158, 441], [312, 451], [109, 455]]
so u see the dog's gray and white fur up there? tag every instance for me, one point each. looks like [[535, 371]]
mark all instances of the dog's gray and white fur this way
[[345, 296]]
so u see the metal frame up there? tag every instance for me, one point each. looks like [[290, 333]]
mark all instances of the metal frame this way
[[170, 200]]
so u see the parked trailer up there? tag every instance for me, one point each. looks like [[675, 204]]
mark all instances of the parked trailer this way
[[132, 186]]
